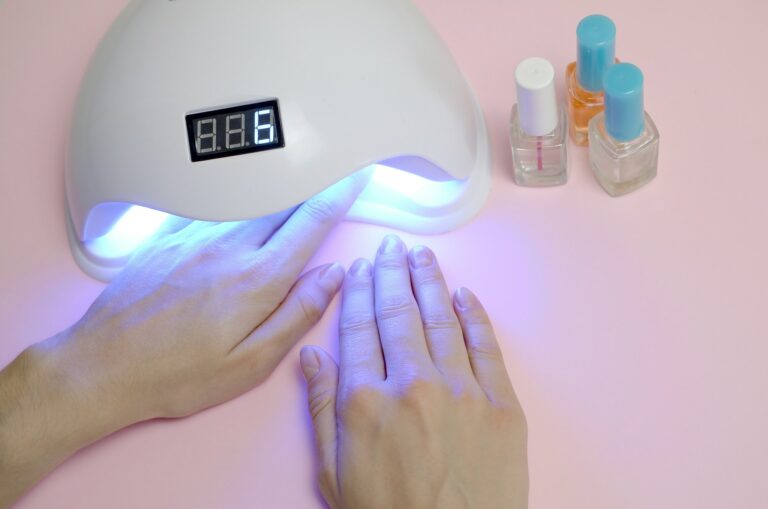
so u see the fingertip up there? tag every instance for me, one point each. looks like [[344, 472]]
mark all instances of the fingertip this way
[[348, 189], [361, 268], [466, 300], [316, 361], [310, 362], [483, 348], [391, 244], [172, 225], [331, 276], [362, 179], [359, 180], [421, 257]]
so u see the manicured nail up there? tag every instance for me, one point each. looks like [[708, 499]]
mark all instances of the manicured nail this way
[[392, 244], [361, 267], [332, 275], [465, 299], [310, 363], [420, 257]]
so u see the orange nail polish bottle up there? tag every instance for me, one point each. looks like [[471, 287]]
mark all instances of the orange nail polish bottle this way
[[596, 37]]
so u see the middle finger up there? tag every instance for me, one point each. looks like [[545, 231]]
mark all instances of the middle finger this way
[[441, 327], [397, 314]]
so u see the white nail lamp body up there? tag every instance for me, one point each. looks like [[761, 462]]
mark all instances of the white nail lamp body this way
[[237, 109]]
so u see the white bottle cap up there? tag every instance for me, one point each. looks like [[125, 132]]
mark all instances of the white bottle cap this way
[[536, 99]]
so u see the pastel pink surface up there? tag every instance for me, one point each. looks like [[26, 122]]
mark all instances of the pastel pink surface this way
[[634, 329]]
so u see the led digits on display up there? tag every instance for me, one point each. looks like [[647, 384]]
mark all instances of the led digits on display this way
[[235, 131]]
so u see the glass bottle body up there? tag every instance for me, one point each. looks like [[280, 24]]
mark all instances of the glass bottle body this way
[[622, 167], [539, 161], [583, 105]]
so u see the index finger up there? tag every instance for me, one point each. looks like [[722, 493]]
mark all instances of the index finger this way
[[253, 232], [292, 246], [360, 356]]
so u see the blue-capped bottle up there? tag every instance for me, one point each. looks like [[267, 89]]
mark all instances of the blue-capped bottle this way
[[623, 140], [596, 37]]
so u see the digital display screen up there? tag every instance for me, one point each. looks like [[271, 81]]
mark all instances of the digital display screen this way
[[235, 131]]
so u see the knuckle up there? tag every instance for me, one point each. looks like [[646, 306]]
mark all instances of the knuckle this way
[[357, 324], [360, 401], [265, 271], [464, 392], [395, 306], [428, 276], [476, 317], [169, 246], [257, 361], [421, 390], [439, 322], [390, 262], [358, 284], [468, 399], [320, 399], [248, 275], [206, 253], [268, 279], [319, 208], [510, 414], [485, 349], [216, 246]]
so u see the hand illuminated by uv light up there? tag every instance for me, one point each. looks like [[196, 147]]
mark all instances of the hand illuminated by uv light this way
[[420, 412], [202, 314], [208, 311]]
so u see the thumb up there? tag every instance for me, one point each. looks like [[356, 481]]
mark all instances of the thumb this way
[[322, 375]]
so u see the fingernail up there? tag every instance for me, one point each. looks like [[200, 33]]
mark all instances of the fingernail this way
[[361, 267], [392, 244], [310, 364], [465, 299], [333, 275], [420, 257]]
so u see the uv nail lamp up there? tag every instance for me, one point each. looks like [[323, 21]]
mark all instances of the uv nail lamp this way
[[237, 109]]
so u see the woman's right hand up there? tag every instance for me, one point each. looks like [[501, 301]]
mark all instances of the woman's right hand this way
[[202, 314], [420, 411]]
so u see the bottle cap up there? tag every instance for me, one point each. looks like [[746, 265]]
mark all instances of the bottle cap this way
[[624, 108], [536, 99], [596, 36]]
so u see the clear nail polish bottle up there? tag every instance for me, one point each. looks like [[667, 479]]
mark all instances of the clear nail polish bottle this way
[[623, 140], [537, 130], [596, 36]]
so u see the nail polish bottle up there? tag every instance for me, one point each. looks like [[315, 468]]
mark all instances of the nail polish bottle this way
[[537, 130], [596, 36], [623, 140]]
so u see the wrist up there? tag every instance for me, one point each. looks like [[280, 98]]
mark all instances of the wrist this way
[[77, 389], [50, 407]]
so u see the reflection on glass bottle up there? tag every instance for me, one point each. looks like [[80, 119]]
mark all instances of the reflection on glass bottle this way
[[537, 127], [623, 141], [596, 37]]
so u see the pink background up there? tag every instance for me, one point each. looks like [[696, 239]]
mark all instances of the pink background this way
[[635, 329]]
